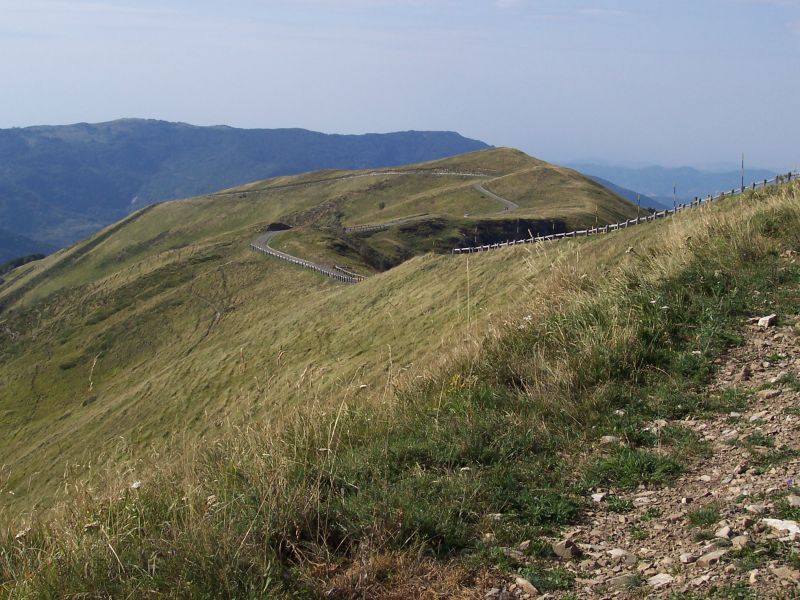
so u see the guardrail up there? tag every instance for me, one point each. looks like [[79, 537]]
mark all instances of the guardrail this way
[[304, 263], [385, 225], [350, 273], [346, 276], [778, 180]]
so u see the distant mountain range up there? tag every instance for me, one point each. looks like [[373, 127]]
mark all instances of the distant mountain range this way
[[656, 183], [59, 184], [635, 197], [13, 245]]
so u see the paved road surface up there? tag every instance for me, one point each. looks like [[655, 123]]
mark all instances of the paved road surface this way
[[262, 242], [507, 203]]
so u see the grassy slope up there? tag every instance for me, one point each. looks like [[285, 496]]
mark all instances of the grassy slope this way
[[509, 429], [59, 184], [167, 323]]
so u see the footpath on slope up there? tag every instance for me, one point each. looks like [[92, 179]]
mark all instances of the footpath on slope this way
[[731, 524]]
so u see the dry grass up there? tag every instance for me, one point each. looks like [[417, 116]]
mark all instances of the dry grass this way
[[545, 342], [169, 324], [399, 576]]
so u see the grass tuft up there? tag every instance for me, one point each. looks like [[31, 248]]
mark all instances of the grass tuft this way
[[630, 468]]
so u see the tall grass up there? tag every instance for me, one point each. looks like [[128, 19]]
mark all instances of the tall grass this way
[[500, 442]]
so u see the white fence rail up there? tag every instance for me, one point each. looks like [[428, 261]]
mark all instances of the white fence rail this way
[[261, 245], [345, 276], [778, 180]]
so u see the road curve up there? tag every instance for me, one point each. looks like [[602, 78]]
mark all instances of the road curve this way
[[434, 173], [262, 242], [507, 203]]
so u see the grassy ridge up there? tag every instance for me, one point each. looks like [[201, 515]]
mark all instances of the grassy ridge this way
[[166, 323], [499, 442]]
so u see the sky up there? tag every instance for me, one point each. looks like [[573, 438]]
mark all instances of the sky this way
[[670, 82]]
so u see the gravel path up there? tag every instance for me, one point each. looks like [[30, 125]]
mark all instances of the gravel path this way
[[731, 521]]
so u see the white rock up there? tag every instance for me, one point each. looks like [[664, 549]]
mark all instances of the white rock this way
[[767, 321], [792, 527], [661, 580], [687, 558], [526, 586], [599, 497], [711, 558], [723, 532]]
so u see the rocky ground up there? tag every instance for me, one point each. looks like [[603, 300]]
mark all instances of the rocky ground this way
[[730, 526]]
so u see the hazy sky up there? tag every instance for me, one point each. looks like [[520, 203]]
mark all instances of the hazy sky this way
[[650, 81]]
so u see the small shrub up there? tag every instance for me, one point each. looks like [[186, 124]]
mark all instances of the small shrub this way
[[616, 504], [650, 514], [549, 579], [759, 439], [705, 516], [628, 468], [638, 533]]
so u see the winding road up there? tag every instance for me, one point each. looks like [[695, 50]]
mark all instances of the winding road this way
[[509, 205], [262, 242]]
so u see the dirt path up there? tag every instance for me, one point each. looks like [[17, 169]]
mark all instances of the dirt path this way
[[732, 521]]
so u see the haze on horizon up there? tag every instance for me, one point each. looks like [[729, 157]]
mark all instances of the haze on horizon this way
[[685, 82]]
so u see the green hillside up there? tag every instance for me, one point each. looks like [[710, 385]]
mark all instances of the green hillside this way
[[397, 438], [59, 184], [167, 324]]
